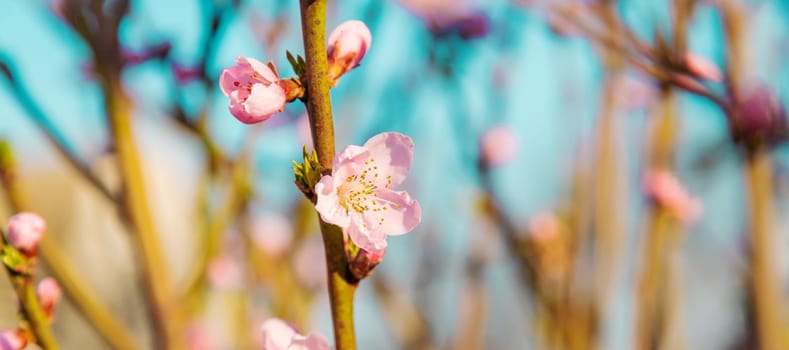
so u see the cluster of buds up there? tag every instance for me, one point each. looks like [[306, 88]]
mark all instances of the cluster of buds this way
[[25, 231], [256, 91]]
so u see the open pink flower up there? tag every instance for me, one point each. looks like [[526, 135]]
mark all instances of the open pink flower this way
[[358, 196], [253, 89], [25, 230], [348, 43], [49, 294], [278, 335]]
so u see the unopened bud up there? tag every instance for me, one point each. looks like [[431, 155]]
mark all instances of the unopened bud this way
[[703, 68], [364, 262], [758, 117], [25, 231], [348, 43], [49, 294]]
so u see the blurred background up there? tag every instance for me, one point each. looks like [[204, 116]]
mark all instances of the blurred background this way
[[593, 174]]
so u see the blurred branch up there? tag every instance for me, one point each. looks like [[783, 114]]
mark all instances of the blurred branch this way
[[407, 322], [641, 55], [154, 265], [37, 115], [66, 273], [765, 294]]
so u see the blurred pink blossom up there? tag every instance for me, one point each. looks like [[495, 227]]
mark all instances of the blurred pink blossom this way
[[497, 146], [358, 196], [254, 90], [544, 226], [309, 263], [224, 273], [348, 43], [703, 67], [666, 190], [278, 335], [444, 17], [49, 294], [197, 337], [12, 340], [303, 131], [272, 233], [25, 231]]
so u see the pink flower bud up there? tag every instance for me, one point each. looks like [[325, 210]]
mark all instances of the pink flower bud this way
[[703, 67], [12, 340], [667, 191], [497, 146], [758, 117], [272, 234], [364, 262], [278, 335], [25, 230], [254, 90], [49, 294], [348, 43]]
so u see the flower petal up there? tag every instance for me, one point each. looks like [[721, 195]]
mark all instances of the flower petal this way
[[328, 205], [313, 341], [360, 233], [264, 101], [262, 69], [349, 162], [277, 335], [392, 153], [400, 212]]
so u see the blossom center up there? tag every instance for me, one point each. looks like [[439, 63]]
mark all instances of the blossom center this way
[[356, 194]]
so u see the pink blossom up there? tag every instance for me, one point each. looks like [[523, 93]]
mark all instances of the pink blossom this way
[[497, 146], [703, 67], [25, 230], [49, 294], [358, 196], [12, 340], [278, 335], [254, 90], [544, 226], [666, 190], [272, 233], [348, 43], [309, 263]]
